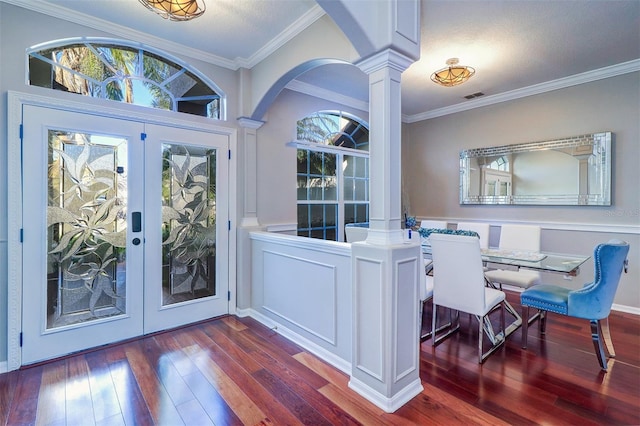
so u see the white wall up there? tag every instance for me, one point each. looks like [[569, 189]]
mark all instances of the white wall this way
[[431, 168], [431, 148]]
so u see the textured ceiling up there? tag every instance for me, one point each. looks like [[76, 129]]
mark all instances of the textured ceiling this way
[[511, 44]]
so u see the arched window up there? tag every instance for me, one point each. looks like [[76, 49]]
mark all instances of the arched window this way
[[333, 174], [124, 72]]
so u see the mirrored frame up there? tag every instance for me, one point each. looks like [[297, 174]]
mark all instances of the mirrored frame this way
[[573, 171]]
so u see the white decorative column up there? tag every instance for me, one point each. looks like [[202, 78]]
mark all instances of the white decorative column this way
[[386, 268], [248, 134], [249, 221]]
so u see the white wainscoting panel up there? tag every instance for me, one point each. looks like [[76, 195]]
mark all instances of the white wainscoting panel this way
[[303, 285], [370, 324], [294, 287], [405, 361]]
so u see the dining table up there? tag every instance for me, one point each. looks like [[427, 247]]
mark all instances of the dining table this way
[[561, 263]]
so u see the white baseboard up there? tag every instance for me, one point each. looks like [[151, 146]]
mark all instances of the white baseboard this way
[[389, 405], [320, 352], [3, 367]]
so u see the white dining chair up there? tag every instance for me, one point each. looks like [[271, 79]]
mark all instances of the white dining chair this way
[[426, 294], [355, 233], [459, 284], [433, 224], [520, 238], [482, 229]]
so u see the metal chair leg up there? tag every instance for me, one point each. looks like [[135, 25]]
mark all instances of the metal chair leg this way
[[607, 337], [525, 326], [429, 334], [503, 320], [480, 339], [596, 336], [543, 322], [453, 327]]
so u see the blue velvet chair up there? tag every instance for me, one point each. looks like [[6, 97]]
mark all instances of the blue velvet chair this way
[[592, 302]]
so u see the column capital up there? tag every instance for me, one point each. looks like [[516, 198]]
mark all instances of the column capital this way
[[250, 123], [388, 58]]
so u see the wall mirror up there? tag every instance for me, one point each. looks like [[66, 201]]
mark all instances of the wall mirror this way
[[570, 171]]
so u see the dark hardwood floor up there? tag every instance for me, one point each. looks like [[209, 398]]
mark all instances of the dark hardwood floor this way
[[233, 371]]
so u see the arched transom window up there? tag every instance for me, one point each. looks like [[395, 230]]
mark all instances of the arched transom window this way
[[124, 72], [332, 174]]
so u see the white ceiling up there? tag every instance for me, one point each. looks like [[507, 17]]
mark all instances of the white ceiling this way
[[514, 45]]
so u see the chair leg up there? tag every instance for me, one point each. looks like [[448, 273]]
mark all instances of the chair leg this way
[[525, 326], [596, 336], [543, 322], [433, 324], [421, 310], [480, 339], [503, 320], [607, 337], [453, 327], [498, 343]]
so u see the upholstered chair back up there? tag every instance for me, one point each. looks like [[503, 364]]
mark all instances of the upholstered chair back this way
[[482, 229], [519, 237], [594, 300], [457, 273]]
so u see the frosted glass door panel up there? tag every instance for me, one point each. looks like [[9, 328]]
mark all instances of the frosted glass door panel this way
[[86, 227], [188, 223]]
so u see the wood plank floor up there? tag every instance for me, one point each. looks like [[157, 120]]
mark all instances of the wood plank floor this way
[[233, 371]]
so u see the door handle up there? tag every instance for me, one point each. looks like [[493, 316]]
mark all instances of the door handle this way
[[136, 241], [136, 219]]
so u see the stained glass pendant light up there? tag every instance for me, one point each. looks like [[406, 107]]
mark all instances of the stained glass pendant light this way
[[453, 74], [175, 10]]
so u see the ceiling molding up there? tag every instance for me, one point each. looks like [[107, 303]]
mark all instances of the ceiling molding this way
[[536, 89], [329, 95], [120, 31], [271, 46], [315, 13]]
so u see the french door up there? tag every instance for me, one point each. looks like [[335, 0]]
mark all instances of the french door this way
[[125, 230]]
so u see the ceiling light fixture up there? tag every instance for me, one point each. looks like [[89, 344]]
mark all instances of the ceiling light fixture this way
[[175, 10], [452, 75]]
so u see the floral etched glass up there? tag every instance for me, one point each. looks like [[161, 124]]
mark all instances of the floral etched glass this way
[[188, 223], [86, 228]]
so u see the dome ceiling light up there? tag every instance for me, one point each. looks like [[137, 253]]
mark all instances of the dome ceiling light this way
[[453, 74], [175, 10]]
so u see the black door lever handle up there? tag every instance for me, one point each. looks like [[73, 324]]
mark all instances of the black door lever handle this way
[[136, 219]]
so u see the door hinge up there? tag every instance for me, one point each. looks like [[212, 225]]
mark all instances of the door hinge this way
[[21, 235], [21, 131], [229, 225], [21, 339], [229, 154], [143, 136], [228, 300]]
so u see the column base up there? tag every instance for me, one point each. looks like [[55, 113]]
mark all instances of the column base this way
[[388, 404]]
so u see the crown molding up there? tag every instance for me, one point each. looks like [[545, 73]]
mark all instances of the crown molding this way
[[536, 89], [329, 95], [315, 13], [271, 46]]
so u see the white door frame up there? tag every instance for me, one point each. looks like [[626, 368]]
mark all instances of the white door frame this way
[[69, 102]]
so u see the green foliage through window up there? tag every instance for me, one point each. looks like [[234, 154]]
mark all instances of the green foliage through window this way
[[332, 174], [123, 73]]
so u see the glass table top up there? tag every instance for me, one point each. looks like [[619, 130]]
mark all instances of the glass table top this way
[[554, 262], [541, 261]]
